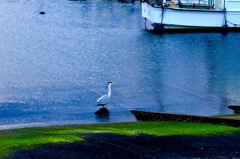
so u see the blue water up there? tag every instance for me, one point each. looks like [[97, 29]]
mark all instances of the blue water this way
[[53, 67]]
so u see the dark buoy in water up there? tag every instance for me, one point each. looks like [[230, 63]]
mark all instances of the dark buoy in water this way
[[102, 111], [42, 12]]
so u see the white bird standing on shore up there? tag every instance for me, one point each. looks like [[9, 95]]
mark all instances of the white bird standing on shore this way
[[103, 100]]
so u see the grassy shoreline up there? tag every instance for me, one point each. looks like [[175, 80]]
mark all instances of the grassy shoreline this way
[[27, 137]]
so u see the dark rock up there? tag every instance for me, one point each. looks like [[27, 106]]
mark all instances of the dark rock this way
[[102, 111], [235, 108], [42, 12]]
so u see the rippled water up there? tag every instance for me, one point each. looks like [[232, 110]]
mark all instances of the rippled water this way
[[53, 67]]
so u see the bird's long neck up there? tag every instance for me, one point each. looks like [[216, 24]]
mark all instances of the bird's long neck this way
[[109, 89]]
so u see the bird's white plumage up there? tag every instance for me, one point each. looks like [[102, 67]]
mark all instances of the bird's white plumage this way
[[104, 100]]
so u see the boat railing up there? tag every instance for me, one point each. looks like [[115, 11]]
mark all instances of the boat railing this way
[[204, 2], [184, 2]]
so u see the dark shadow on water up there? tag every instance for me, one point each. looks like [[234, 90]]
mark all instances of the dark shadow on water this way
[[102, 115]]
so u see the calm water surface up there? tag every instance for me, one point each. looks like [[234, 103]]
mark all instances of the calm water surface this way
[[53, 67]]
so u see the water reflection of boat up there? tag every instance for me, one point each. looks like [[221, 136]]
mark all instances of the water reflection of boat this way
[[192, 14]]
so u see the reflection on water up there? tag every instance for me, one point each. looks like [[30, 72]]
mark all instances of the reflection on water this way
[[55, 66], [103, 117]]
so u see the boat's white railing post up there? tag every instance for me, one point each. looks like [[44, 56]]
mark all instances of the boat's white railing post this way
[[224, 5], [210, 3], [217, 4]]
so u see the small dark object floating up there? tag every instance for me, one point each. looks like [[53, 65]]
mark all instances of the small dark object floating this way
[[102, 111], [41, 12], [235, 108]]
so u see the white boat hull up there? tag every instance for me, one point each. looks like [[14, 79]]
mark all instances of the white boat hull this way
[[179, 18]]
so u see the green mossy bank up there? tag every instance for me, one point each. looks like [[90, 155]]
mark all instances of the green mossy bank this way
[[27, 137]]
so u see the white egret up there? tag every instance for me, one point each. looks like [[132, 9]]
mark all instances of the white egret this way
[[103, 100]]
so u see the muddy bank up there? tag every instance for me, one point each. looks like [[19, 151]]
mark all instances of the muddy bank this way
[[108, 146], [157, 116]]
